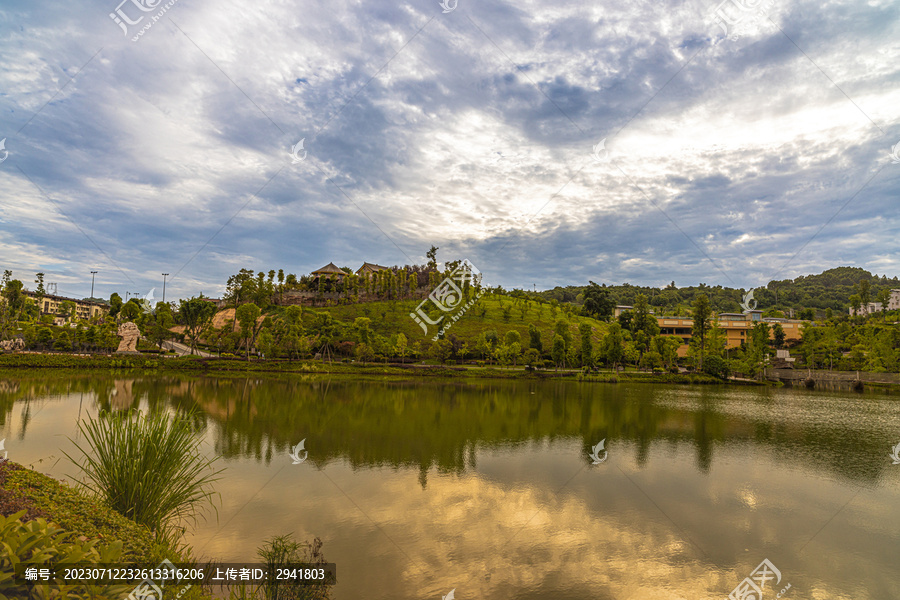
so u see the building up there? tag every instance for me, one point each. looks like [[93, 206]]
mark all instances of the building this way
[[330, 271], [621, 308], [84, 309], [368, 269], [735, 326], [874, 307]]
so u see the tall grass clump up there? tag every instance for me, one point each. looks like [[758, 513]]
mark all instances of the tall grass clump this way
[[284, 552], [147, 467]]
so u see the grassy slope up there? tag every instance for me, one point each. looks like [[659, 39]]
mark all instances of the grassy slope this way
[[73, 511], [390, 317], [82, 516]]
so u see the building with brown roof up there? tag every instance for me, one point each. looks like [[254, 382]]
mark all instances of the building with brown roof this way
[[330, 271], [368, 269]]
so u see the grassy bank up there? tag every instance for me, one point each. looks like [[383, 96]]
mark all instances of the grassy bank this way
[[85, 523], [229, 366]]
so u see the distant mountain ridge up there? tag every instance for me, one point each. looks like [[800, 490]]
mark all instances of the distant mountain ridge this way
[[829, 289]]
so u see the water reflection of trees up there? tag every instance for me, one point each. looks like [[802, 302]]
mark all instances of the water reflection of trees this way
[[425, 424]]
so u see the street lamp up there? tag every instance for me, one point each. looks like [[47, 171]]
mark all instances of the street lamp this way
[[92, 284], [164, 287]]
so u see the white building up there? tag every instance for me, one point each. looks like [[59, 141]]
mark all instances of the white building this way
[[874, 307]]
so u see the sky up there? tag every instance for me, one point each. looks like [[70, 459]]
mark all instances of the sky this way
[[549, 143]]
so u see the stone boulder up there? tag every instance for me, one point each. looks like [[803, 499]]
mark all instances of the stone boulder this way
[[13, 345], [130, 334]]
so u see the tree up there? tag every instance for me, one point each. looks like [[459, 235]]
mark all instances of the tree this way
[[157, 329], [558, 350], [757, 349], [363, 333], [534, 335], [267, 343], [779, 335], [195, 314], [701, 324], [587, 347], [613, 346], [44, 337], [130, 310], [13, 304], [440, 349], [865, 293], [247, 316], [562, 330], [597, 302], [432, 257], [400, 347], [66, 310], [717, 367], [115, 304], [884, 297]]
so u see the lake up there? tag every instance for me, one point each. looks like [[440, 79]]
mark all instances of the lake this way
[[420, 487]]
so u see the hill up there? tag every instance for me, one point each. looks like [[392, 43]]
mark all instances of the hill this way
[[829, 289]]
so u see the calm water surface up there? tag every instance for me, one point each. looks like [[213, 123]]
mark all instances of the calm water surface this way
[[420, 487]]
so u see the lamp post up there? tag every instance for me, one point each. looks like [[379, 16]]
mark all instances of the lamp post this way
[[92, 284], [126, 296], [164, 287]]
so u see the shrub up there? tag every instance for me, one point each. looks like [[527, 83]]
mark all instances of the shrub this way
[[716, 366], [41, 544]]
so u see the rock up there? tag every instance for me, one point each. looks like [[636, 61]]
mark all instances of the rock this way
[[130, 334], [13, 345]]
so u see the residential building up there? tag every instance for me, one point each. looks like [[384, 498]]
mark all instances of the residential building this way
[[735, 326], [621, 308], [875, 307], [84, 309]]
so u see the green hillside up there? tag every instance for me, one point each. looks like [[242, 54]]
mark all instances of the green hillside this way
[[500, 313]]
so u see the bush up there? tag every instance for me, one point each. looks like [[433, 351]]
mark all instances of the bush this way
[[40, 544], [716, 366]]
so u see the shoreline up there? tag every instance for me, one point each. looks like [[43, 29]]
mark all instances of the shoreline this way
[[237, 367]]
